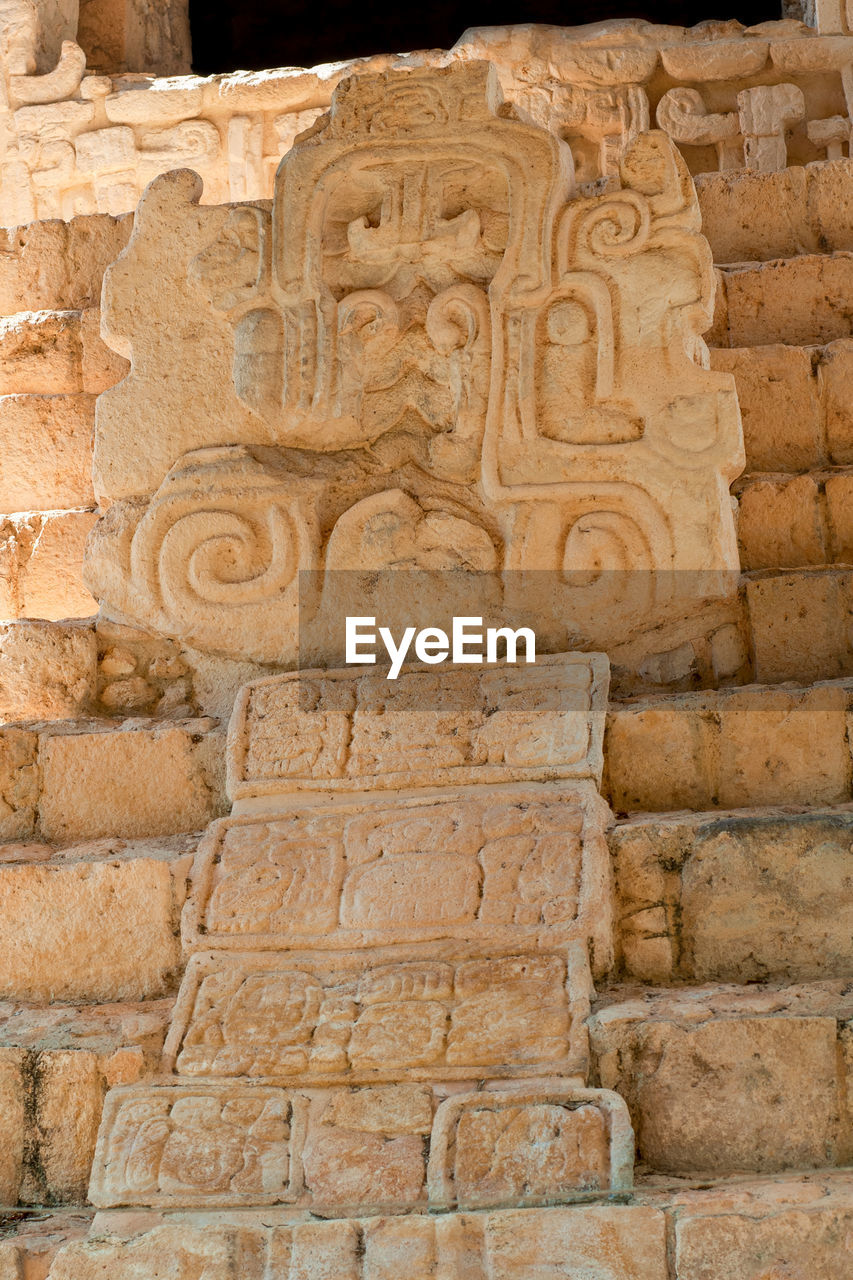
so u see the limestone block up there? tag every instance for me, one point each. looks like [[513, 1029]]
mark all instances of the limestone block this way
[[758, 745], [516, 1147], [722, 1095], [780, 524], [796, 301], [12, 1113], [838, 492], [58, 265], [169, 1146], [804, 1241], [40, 351], [136, 37], [779, 404], [49, 579], [46, 458], [618, 391], [101, 367], [129, 782], [611, 1242], [800, 625], [87, 930], [504, 866], [342, 1019], [19, 783], [835, 379], [343, 730], [47, 670], [735, 898]]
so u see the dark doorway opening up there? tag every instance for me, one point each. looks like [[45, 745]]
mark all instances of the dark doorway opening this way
[[257, 34]]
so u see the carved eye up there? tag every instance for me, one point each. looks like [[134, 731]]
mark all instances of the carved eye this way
[[567, 324]]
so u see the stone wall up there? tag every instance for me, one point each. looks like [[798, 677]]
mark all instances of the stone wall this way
[[488, 972]]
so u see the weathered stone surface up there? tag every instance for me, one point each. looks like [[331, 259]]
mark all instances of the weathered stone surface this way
[[618, 394], [58, 265], [750, 216], [800, 625], [345, 729], [134, 781], [795, 300], [87, 931], [345, 1018], [46, 452], [503, 867], [808, 1241], [779, 403], [47, 670], [736, 898], [617, 1242], [48, 565], [728, 1083], [19, 783], [759, 745]]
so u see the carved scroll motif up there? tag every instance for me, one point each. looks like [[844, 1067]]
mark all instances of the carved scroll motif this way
[[478, 367]]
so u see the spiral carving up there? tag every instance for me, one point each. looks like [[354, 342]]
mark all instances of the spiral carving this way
[[227, 557], [616, 227]]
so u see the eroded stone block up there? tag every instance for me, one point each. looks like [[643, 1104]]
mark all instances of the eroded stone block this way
[[735, 898], [46, 460], [47, 670], [717, 1094], [351, 728], [127, 782], [370, 1017], [87, 931], [501, 866]]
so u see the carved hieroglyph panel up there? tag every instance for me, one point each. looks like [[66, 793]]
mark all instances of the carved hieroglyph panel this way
[[194, 1146], [337, 1152], [518, 867], [413, 1016], [514, 1148], [352, 729], [432, 353]]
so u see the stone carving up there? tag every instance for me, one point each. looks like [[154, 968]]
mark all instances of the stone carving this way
[[255, 1014], [516, 1147], [754, 137], [507, 866], [194, 1146], [349, 729], [442, 357], [596, 87], [414, 945]]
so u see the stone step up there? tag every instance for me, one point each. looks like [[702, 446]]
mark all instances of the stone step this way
[[800, 301], [733, 748], [787, 522], [743, 896], [54, 265], [796, 404], [41, 560], [790, 1227], [56, 353], [754, 217], [731, 1080], [56, 1065], [71, 781]]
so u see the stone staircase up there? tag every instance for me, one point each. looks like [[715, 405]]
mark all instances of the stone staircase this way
[[726, 1019]]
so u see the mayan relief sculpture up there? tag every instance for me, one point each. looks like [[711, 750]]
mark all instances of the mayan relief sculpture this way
[[358, 970], [730, 97], [431, 353]]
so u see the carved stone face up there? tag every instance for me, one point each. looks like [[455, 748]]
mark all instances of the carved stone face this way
[[19, 29]]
